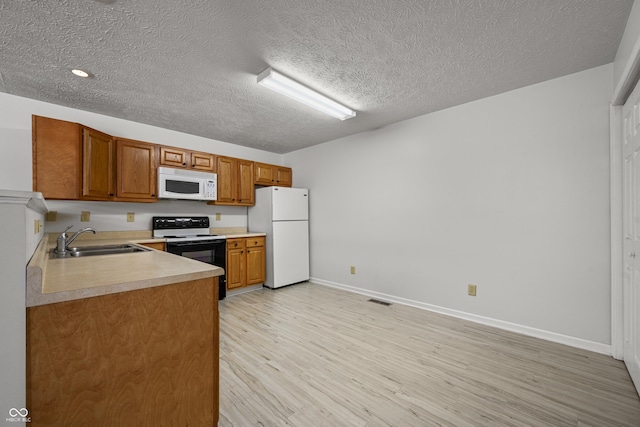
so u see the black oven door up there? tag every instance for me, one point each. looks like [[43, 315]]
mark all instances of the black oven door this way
[[211, 252]]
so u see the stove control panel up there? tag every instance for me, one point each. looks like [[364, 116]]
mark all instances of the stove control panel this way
[[172, 222]]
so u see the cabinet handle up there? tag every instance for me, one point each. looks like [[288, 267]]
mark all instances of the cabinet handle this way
[[153, 195], [111, 194], [184, 164]]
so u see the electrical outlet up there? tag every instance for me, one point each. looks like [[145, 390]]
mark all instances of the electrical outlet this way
[[353, 269], [52, 216], [218, 216], [131, 216], [472, 290], [85, 216], [36, 226]]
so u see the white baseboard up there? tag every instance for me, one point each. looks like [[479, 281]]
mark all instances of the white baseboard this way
[[513, 327]]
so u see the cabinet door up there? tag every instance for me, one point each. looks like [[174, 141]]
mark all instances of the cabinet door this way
[[284, 176], [173, 157], [246, 192], [256, 262], [226, 180], [264, 174], [57, 158], [136, 171], [236, 266], [97, 165], [203, 161]]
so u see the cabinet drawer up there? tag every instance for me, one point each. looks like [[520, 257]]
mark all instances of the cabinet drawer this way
[[253, 242], [235, 244]]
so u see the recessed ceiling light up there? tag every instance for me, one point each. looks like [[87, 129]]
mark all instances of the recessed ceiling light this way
[[80, 73]]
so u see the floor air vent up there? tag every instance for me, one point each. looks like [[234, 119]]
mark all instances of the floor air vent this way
[[377, 301]]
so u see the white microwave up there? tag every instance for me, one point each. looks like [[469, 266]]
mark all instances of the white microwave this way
[[186, 184]]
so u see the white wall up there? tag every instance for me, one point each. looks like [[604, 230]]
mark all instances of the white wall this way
[[625, 53], [19, 240], [15, 169], [509, 192]]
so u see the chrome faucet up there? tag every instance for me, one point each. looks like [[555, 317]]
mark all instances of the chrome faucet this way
[[62, 244]]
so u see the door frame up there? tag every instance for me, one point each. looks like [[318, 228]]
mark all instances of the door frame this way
[[617, 262], [628, 80]]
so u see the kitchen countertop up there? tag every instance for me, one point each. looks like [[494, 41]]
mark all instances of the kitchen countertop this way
[[56, 280], [241, 235]]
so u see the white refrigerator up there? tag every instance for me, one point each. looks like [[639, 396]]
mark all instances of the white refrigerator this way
[[283, 213]]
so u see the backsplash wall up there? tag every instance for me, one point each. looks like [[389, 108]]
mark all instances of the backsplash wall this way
[[112, 216]]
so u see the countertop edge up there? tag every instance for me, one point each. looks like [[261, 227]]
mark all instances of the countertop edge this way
[[35, 297], [37, 274]]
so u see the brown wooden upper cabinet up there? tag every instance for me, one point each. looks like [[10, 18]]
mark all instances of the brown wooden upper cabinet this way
[[57, 158], [137, 169], [235, 182], [74, 162], [180, 158], [98, 165], [266, 174]]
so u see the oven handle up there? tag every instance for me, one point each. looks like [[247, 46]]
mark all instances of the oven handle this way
[[202, 243]]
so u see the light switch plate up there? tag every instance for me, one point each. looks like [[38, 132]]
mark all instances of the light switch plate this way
[[218, 216], [85, 216], [131, 216]]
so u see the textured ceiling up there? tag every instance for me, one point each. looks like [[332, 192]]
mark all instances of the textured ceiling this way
[[191, 65]]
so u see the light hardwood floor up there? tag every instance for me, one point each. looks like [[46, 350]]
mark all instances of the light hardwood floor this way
[[309, 355]]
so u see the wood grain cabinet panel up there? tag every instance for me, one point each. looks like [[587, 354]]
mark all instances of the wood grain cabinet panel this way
[[246, 262], [56, 158], [137, 169], [146, 358], [203, 161], [185, 159], [161, 246], [227, 180], [256, 260], [235, 182], [98, 165], [74, 162], [236, 264], [173, 157], [246, 190], [267, 175], [264, 174]]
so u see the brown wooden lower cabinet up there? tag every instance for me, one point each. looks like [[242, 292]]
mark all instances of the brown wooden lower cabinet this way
[[161, 246], [147, 358], [246, 261]]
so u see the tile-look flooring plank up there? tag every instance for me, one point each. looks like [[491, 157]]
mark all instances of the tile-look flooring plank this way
[[309, 355]]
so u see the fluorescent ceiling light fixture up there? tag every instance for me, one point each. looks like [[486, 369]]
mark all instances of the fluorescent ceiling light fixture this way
[[294, 90], [80, 73]]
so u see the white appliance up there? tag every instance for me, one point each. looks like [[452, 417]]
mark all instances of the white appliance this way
[[283, 213], [186, 184]]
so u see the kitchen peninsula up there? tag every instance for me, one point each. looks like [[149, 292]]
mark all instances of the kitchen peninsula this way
[[126, 339]]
